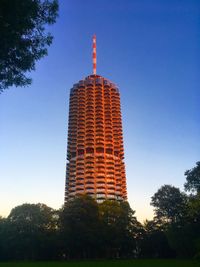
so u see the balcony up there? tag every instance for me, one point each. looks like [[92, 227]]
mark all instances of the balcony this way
[[80, 170], [99, 113], [88, 131], [72, 194], [100, 174], [89, 182], [72, 170], [111, 187], [100, 182], [100, 144], [100, 170], [89, 166], [80, 139], [79, 187], [109, 148], [108, 128], [109, 161], [110, 176], [89, 82], [111, 196], [89, 144], [80, 160], [98, 98], [111, 183], [79, 174], [81, 133], [110, 168], [90, 123], [72, 184], [81, 125], [100, 149], [72, 189], [99, 130], [90, 135], [100, 164], [80, 191], [100, 157], [89, 177], [89, 89], [89, 172], [99, 81], [90, 105], [72, 143], [100, 195]]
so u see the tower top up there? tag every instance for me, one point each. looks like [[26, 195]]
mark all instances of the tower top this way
[[94, 55]]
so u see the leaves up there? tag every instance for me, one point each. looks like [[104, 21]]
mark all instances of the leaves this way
[[23, 39], [169, 204], [92, 230], [193, 179]]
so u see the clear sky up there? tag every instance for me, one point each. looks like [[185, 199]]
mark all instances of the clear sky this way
[[150, 49]]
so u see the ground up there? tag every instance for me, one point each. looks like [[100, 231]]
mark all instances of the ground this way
[[119, 263]]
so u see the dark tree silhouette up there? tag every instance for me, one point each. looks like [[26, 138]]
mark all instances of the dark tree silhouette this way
[[169, 203], [84, 229], [193, 179], [154, 243], [182, 238], [179, 215], [30, 232], [23, 39], [120, 229], [79, 223]]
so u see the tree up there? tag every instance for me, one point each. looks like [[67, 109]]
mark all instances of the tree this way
[[184, 235], [169, 203], [40, 216], [182, 238], [3, 239], [120, 229], [79, 223], [30, 232], [91, 230], [179, 214], [193, 179], [154, 243], [23, 39]]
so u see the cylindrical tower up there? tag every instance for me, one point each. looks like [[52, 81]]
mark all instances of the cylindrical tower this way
[[95, 153]]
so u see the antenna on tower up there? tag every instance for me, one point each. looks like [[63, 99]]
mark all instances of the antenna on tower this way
[[94, 55]]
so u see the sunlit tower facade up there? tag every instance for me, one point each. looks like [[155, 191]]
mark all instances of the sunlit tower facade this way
[[95, 152]]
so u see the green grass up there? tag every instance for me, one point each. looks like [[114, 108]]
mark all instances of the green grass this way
[[119, 263]]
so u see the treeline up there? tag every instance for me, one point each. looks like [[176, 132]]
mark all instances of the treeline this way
[[84, 229]]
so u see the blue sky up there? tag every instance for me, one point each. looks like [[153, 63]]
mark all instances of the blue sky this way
[[150, 49]]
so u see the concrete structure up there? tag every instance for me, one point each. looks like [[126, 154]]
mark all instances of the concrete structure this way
[[95, 152]]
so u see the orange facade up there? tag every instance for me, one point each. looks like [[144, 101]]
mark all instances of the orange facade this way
[[95, 151]]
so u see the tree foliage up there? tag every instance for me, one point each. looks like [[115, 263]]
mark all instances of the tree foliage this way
[[169, 204], [29, 232], [179, 215], [193, 179], [23, 39], [120, 229], [85, 229], [91, 230], [181, 238], [82, 229], [79, 222], [154, 242]]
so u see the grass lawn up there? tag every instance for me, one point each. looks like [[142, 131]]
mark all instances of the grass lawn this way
[[121, 263]]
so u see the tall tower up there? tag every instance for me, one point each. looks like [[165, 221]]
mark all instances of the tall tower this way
[[95, 153]]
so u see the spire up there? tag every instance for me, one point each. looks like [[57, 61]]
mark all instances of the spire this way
[[94, 55]]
